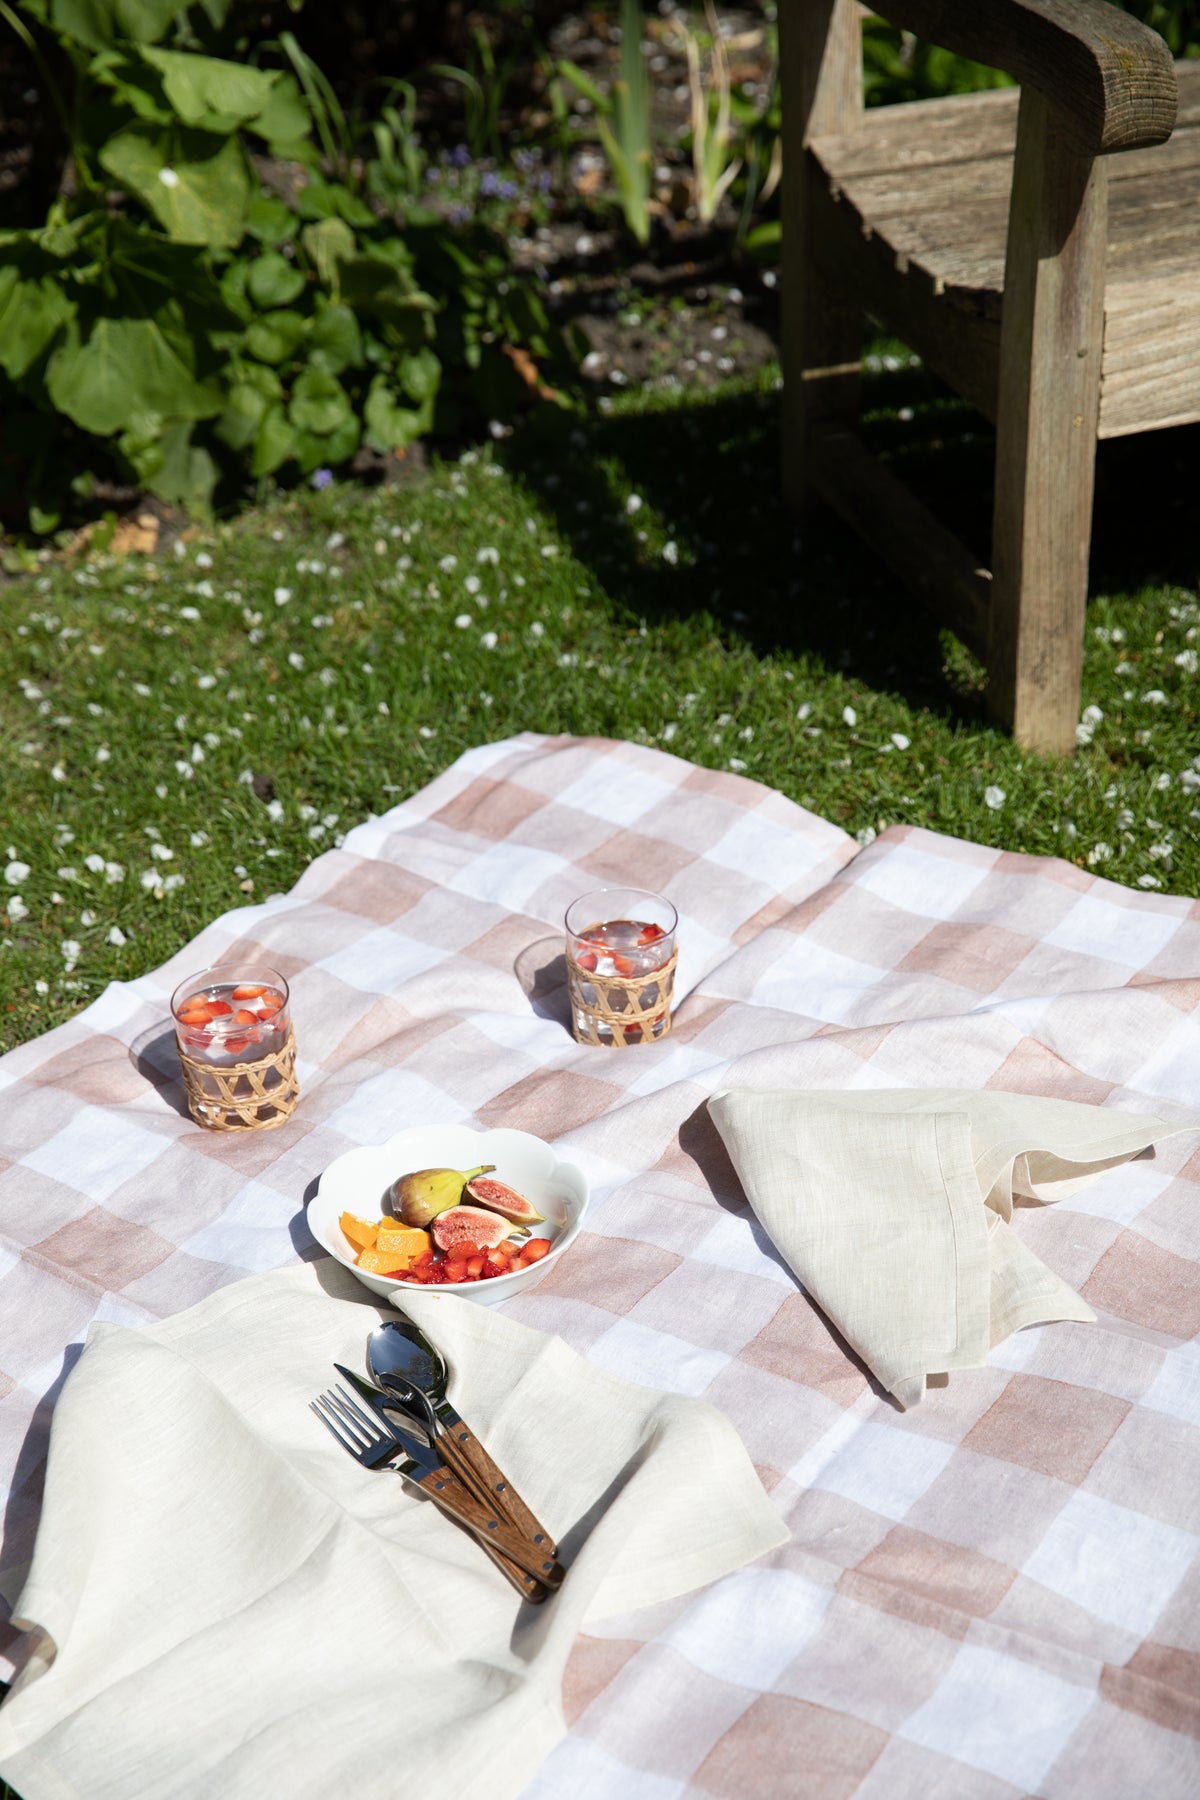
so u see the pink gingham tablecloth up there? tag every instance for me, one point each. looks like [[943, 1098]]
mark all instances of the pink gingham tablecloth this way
[[994, 1595]]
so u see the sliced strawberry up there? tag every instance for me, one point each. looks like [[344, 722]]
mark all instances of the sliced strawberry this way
[[650, 934], [218, 1008], [475, 1266], [587, 960], [622, 964], [534, 1250], [243, 1017], [196, 1015], [248, 993], [235, 1045]]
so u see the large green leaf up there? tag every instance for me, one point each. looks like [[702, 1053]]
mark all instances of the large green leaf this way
[[239, 424], [285, 120], [328, 242], [420, 374], [336, 341], [275, 442], [313, 451], [276, 336], [210, 93], [373, 284], [188, 473], [319, 403], [98, 23], [197, 188], [269, 220], [390, 424], [273, 281], [321, 199], [123, 367], [31, 313]]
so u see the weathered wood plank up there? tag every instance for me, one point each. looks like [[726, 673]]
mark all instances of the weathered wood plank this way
[[961, 344], [820, 50], [927, 557], [1109, 78], [1151, 370], [1050, 350]]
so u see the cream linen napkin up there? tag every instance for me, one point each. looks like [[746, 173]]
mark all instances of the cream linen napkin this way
[[892, 1206], [229, 1605]]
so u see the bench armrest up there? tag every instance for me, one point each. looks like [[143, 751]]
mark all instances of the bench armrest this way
[[1108, 74]]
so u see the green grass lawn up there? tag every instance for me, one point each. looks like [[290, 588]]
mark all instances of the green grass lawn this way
[[179, 733]]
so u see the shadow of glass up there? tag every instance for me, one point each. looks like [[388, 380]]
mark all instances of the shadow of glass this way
[[155, 1057], [541, 969]]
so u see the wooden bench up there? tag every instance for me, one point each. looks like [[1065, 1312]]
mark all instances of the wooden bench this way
[[1055, 285]]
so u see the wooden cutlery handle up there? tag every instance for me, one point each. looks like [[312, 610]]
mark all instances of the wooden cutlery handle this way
[[473, 1464], [488, 1524]]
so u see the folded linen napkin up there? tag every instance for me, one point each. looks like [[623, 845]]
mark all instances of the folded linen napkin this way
[[892, 1206], [226, 1603]]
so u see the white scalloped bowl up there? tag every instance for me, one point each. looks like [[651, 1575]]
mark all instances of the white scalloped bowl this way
[[359, 1181]]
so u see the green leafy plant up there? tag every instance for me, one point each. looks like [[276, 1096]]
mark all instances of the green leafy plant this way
[[623, 122], [715, 164], [174, 320]]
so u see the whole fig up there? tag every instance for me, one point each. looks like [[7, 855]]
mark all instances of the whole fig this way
[[418, 1198]]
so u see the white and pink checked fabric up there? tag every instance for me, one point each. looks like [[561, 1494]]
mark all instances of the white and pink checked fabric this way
[[993, 1596]]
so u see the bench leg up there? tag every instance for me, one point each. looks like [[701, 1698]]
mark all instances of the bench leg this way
[[1048, 408], [820, 49]]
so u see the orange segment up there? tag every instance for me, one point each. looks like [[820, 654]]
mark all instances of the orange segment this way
[[407, 1241], [380, 1262], [361, 1232]]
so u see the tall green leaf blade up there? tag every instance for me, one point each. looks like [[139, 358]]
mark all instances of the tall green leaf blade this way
[[199, 198], [145, 21]]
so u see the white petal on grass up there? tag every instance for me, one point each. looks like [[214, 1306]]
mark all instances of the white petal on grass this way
[[994, 797], [15, 873], [489, 640], [117, 937], [70, 949], [1148, 881], [849, 716], [1154, 697], [487, 555], [901, 742], [282, 596], [114, 872], [670, 552], [464, 621], [162, 852], [17, 909]]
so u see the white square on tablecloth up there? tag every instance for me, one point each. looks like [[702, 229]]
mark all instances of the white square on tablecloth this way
[[1009, 1718], [777, 855], [391, 1101], [612, 790], [1130, 935], [252, 1232], [382, 961], [749, 1627], [1121, 1565], [734, 1242], [580, 1768], [656, 1358], [1121, 1194], [808, 978], [877, 1466], [932, 887], [508, 875], [1176, 1387], [98, 1150]]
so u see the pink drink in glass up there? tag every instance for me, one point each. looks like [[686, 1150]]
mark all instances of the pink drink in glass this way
[[626, 933], [224, 1017]]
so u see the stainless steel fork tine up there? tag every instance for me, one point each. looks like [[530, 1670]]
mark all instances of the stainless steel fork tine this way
[[356, 1417]]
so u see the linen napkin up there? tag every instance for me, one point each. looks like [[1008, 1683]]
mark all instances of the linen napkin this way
[[225, 1603], [893, 1208]]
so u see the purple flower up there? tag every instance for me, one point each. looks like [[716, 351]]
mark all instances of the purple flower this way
[[432, 174], [526, 160], [460, 156], [490, 183], [459, 215], [322, 478]]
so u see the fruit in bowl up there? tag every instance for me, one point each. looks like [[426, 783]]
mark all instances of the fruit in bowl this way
[[477, 1229], [447, 1209]]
